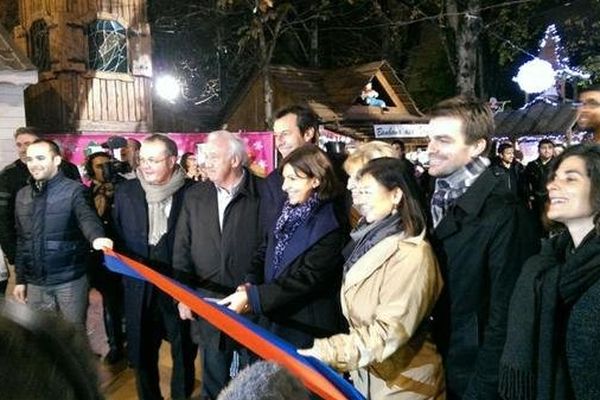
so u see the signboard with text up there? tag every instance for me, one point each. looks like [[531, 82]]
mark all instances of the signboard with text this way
[[400, 131]]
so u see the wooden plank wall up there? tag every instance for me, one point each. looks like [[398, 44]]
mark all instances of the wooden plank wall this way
[[75, 102], [71, 98], [12, 116], [130, 10]]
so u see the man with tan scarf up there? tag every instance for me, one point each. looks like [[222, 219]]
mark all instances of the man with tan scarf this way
[[145, 212]]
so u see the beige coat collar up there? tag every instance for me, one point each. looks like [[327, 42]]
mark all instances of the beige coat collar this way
[[376, 257]]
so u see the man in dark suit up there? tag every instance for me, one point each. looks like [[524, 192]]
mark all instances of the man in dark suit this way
[[144, 215], [293, 127], [482, 235], [217, 234]]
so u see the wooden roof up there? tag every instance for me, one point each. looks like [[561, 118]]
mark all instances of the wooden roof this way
[[343, 85], [332, 94], [15, 68], [539, 118]]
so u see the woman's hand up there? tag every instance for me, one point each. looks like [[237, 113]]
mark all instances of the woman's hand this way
[[237, 302], [185, 312], [309, 353]]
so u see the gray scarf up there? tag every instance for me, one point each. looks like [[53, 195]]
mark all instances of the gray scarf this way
[[365, 236], [451, 187], [158, 198]]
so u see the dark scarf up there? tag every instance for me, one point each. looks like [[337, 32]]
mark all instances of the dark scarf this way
[[291, 217], [550, 282], [365, 236]]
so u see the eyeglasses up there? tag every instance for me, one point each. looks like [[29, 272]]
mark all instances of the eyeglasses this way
[[588, 104], [152, 161]]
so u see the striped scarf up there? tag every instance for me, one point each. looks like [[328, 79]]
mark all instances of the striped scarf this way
[[450, 188]]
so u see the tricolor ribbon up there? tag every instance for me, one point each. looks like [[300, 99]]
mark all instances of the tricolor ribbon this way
[[315, 375]]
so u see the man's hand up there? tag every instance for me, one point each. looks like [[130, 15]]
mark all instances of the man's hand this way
[[101, 243], [20, 293], [185, 312], [237, 302]]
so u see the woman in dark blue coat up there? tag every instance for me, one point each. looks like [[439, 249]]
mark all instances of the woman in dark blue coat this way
[[552, 348], [296, 277]]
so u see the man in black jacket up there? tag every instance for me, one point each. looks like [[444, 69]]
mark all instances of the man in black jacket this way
[[55, 225], [145, 211], [217, 234], [536, 175], [481, 236], [12, 178], [505, 163], [293, 127]]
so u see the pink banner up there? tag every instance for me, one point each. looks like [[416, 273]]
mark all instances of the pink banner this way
[[259, 145]]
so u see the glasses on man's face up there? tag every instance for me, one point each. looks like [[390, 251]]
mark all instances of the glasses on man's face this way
[[588, 104], [151, 160]]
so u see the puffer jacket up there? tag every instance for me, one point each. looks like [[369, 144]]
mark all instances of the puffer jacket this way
[[12, 178], [55, 225]]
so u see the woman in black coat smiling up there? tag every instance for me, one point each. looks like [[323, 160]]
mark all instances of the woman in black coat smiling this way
[[296, 278], [552, 349]]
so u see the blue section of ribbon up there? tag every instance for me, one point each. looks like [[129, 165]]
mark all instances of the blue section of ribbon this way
[[118, 266]]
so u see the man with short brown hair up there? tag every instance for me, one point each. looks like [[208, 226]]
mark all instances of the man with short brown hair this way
[[294, 126], [54, 224], [481, 236], [12, 178]]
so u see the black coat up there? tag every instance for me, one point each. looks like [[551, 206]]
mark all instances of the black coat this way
[[212, 261], [481, 244], [583, 344], [515, 179], [272, 201], [55, 226], [536, 175], [12, 178], [301, 299], [130, 222]]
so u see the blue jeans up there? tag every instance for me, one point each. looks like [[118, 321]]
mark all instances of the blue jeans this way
[[70, 299], [372, 101]]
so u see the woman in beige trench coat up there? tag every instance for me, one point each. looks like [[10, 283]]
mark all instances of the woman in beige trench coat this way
[[391, 283]]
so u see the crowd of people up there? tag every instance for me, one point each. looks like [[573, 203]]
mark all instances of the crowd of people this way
[[480, 282]]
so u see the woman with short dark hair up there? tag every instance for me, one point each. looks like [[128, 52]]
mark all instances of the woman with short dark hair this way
[[391, 283], [296, 277], [552, 349]]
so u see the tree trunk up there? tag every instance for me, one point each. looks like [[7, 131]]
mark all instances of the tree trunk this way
[[467, 45], [268, 97], [314, 44]]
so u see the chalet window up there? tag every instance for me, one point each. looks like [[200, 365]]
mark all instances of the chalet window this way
[[39, 45], [107, 43]]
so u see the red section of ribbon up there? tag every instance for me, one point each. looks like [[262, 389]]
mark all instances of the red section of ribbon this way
[[312, 379]]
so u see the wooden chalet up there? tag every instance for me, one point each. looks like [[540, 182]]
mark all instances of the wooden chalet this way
[[16, 73], [333, 94], [94, 63]]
